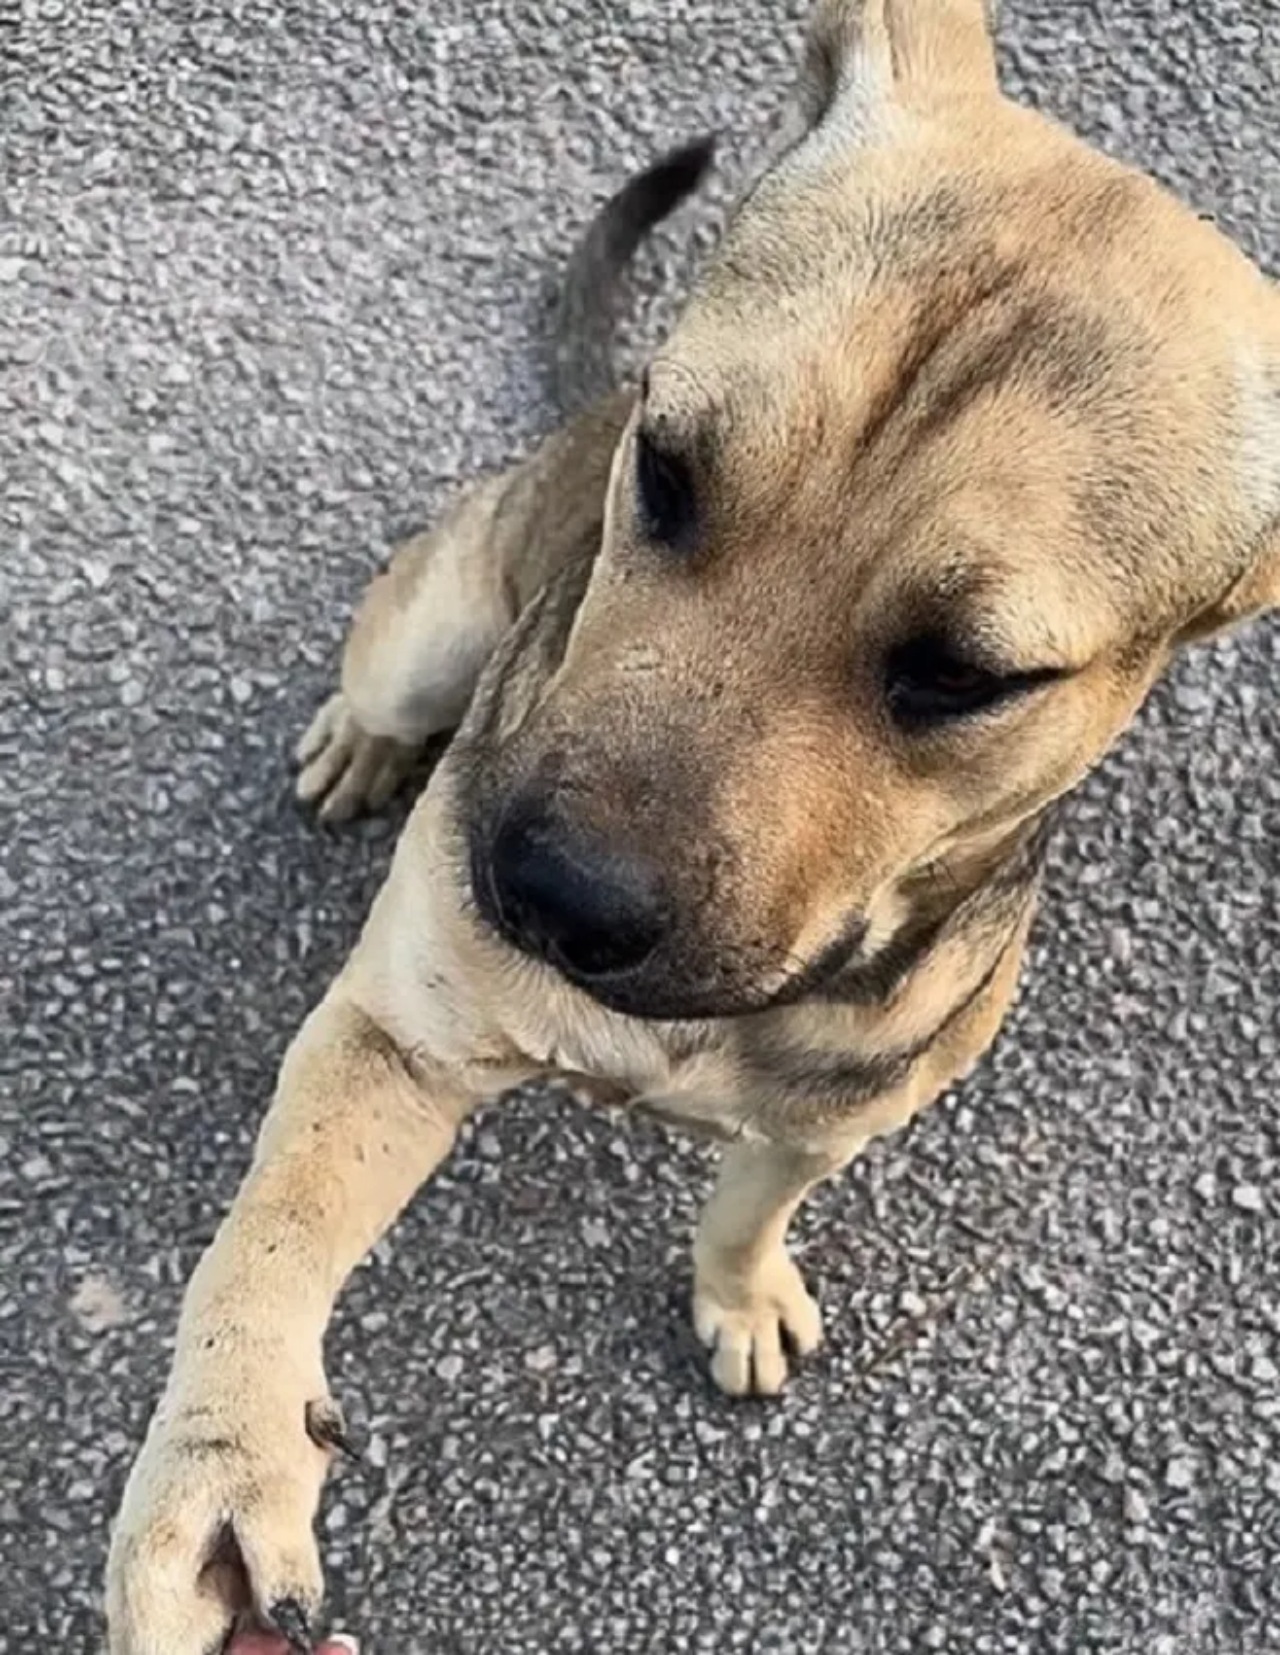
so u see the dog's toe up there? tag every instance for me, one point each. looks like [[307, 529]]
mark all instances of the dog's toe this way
[[319, 732], [751, 1325], [344, 769]]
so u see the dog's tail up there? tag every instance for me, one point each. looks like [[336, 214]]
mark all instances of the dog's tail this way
[[581, 368]]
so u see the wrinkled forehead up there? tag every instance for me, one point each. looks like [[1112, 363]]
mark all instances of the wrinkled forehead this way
[[979, 359], [896, 364], [1028, 382], [1010, 277]]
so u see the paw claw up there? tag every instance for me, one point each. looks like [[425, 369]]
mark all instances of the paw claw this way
[[328, 1427], [290, 1619]]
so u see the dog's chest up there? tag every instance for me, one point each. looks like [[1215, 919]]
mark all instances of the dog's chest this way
[[682, 1073], [713, 1080]]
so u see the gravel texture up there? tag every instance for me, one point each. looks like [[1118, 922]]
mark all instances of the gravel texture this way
[[272, 278]]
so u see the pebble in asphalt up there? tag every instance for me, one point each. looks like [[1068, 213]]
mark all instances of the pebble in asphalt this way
[[273, 281]]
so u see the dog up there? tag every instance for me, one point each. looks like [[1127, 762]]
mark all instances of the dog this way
[[768, 674]]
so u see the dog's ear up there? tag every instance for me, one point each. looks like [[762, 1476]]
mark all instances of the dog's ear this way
[[861, 54]]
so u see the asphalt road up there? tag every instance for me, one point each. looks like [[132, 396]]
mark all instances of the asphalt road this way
[[272, 278]]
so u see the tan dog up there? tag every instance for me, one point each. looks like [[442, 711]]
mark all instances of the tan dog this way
[[773, 672]]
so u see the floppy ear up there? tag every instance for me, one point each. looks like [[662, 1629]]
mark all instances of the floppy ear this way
[[913, 52]]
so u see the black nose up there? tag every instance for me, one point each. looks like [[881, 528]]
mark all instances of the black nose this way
[[593, 912]]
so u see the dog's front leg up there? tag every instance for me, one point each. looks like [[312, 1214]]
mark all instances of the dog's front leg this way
[[428, 623], [749, 1300], [217, 1514]]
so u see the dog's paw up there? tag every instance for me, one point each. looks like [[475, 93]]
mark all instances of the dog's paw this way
[[343, 769], [215, 1527], [751, 1322]]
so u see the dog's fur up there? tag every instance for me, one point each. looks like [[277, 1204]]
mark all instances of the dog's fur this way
[[957, 394]]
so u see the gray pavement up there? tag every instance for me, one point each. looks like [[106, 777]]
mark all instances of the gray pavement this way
[[271, 280]]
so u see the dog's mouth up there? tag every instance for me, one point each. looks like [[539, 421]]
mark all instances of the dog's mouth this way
[[657, 978], [844, 955]]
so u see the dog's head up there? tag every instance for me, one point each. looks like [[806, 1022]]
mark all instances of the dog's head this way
[[964, 432]]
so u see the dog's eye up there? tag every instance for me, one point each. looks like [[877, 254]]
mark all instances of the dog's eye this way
[[665, 497], [930, 682]]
